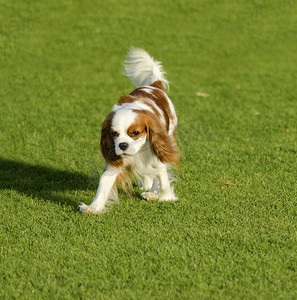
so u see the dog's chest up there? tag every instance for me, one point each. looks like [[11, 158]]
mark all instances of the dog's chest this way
[[144, 162]]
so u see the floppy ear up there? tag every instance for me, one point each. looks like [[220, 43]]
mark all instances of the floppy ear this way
[[162, 145], [107, 144]]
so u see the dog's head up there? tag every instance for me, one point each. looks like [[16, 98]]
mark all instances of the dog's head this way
[[127, 129]]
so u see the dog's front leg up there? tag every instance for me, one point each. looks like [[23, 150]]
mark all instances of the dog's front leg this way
[[164, 192], [106, 183]]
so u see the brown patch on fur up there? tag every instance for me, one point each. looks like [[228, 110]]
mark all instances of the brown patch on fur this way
[[107, 143], [161, 100], [139, 126], [139, 94], [126, 99], [158, 84]]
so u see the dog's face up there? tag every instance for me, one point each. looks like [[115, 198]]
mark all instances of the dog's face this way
[[128, 132], [128, 127]]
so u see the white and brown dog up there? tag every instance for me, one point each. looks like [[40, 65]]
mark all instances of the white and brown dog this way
[[139, 135]]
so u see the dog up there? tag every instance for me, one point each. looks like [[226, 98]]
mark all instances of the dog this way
[[139, 136]]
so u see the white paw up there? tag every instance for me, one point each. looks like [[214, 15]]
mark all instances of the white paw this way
[[158, 196], [168, 197], [90, 209], [150, 195]]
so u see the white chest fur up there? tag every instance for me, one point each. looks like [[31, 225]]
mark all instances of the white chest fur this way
[[144, 162]]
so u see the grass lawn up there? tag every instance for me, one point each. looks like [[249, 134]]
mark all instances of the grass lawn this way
[[233, 232]]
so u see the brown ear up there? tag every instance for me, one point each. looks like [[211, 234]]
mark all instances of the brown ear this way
[[107, 144], [162, 145]]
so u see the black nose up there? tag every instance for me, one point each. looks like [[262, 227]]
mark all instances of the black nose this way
[[123, 146]]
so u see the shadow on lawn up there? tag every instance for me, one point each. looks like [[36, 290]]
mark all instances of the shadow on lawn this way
[[43, 182]]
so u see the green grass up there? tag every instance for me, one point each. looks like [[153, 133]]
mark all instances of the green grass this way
[[233, 232]]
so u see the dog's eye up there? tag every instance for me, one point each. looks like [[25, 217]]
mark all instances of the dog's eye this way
[[135, 133], [114, 134]]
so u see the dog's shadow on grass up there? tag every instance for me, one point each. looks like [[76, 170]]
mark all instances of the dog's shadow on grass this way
[[43, 182]]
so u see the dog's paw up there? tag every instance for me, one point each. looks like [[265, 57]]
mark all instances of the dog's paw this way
[[150, 195], [90, 209], [159, 196], [168, 197]]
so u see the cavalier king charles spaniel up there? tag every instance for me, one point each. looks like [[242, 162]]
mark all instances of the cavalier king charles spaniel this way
[[138, 136]]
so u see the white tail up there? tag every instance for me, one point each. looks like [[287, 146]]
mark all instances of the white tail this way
[[142, 69]]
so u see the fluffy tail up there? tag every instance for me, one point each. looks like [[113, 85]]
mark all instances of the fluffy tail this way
[[142, 69]]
